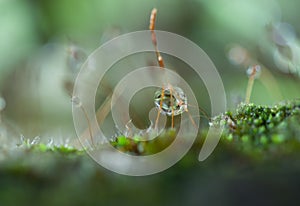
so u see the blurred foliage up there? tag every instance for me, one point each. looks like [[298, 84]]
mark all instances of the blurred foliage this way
[[18, 36], [44, 43]]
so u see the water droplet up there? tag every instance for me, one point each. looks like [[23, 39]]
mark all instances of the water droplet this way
[[22, 138], [76, 101], [140, 148], [256, 70], [174, 100], [35, 140], [50, 142], [66, 143]]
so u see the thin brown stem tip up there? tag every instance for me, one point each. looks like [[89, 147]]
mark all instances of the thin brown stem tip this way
[[152, 19]]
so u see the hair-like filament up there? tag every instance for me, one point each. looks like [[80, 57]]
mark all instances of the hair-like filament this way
[[162, 66], [250, 83]]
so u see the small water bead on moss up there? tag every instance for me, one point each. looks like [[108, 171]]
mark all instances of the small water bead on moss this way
[[174, 101], [26, 142]]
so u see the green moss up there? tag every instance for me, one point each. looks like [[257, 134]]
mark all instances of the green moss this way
[[62, 149], [122, 141], [252, 128], [66, 150], [137, 146], [262, 127], [58, 175]]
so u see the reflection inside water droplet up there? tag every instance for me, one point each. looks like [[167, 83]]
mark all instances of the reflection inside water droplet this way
[[76, 101], [173, 100]]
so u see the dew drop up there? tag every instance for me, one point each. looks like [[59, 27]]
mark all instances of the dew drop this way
[[35, 140], [254, 69], [174, 100], [76, 101], [50, 142]]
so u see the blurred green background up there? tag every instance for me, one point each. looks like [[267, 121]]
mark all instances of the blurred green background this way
[[43, 43]]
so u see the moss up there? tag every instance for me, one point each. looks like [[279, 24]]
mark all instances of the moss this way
[[262, 127], [252, 128], [61, 149], [44, 174], [136, 146]]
